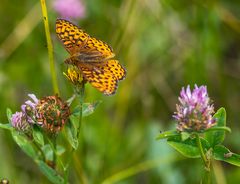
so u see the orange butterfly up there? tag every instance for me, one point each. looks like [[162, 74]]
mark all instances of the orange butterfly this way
[[91, 56]]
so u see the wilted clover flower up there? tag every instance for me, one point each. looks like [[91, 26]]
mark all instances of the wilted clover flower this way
[[52, 113], [19, 122], [69, 8], [194, 113]]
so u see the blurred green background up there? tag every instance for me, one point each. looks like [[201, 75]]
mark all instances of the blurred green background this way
[[164, 45]]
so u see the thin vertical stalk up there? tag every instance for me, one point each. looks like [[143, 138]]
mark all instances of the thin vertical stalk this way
[[50, 47], [37, 146], [81, 100], [40, 150], [80, 94], [201, 151], [207, 177], [55, 150], [219, 172]]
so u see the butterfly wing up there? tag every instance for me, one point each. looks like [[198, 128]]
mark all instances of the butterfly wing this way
[[103, 76], [96, 50], [79, 43], [72, 37], [115, 68]]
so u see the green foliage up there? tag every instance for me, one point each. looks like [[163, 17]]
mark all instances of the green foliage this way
[[220, 152], [71, 132], [6, 126], [88, 108], [48, 151], [25, 144], [187, 143], [167, 134], [9, 115], [188, 147], [218, 136], [38, 135], [51, 174]]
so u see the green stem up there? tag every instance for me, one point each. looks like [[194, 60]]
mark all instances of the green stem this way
[[66, 173], [55, 149], [80, 93], [40, 150], [207, 177], [50, 47], [219, 172], [52, 140], [37, 146], [206, 163], [81, 99]]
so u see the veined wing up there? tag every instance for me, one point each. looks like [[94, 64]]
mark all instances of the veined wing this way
[[104, 76], [72, 37], [80, 44]]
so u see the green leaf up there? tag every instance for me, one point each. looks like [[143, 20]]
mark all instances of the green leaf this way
[[50, 173], [25, 144], [185, 135], [188, 147], [9, 115], [48, 152], [220, 152], [6, 126], [71, 132], [217, 137], [167, 134], [88, 108], [37, 135], [60, 150], [227, 129]]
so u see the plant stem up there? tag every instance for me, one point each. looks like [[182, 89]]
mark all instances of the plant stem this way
[[81, 99], [50, 47], [52, 140], [206, 162], [37, 146], [55, 149], [207, 177], [219, 172], [80, 93], [40, 150]]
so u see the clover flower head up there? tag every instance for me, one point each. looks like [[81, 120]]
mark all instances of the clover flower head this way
[[19, 122], [52, 113], [194, 113], [69, 8], [29, 108]]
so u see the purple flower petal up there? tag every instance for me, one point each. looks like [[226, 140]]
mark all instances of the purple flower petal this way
[[69, 8], [18, 121], [194, 113], [34, 98]]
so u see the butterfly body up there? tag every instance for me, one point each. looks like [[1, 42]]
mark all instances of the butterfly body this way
[[93, 57]]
